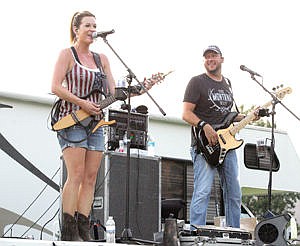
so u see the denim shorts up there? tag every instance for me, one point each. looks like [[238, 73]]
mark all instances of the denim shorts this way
[[76, 133]]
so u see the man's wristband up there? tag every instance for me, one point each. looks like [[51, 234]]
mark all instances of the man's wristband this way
[[201, 124]]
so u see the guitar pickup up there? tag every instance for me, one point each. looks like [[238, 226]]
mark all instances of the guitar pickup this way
[[209, 149], [222, 138], [222, 155]]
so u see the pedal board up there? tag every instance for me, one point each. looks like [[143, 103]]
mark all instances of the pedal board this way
[[217, 233], [201, 240], [222, 232]]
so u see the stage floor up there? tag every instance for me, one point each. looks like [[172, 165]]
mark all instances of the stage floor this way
[[30, 242]]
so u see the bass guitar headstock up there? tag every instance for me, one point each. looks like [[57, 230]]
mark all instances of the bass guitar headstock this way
[[280, 93]]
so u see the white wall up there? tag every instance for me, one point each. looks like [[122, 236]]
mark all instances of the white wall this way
[[25, 127]]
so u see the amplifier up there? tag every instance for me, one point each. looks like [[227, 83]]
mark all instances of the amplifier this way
[[144, 194], [138, 125]]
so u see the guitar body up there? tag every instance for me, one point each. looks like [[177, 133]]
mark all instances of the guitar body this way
[[210, 153], [81, 116], [215, 155], [69, 120]]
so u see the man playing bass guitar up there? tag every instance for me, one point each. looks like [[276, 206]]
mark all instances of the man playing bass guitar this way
[[208, 101]]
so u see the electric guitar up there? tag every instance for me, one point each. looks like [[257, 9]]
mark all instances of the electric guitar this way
[[215, 155], [80, 115]]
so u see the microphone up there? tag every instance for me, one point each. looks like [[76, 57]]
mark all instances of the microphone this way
[[244, 68], [102, 34]]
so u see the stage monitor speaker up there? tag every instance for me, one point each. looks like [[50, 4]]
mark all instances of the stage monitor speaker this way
[[276, 230], [144, 194], [252, 161]]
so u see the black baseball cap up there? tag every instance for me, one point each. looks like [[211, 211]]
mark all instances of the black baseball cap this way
[[212, 48]]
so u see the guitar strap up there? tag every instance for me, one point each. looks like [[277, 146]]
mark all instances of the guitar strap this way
[[230, 87], [54, 112], [97, 60]]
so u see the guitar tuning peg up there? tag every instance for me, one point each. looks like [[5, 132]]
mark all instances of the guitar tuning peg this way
[[274, 89]]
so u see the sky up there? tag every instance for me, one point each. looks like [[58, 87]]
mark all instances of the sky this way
[[161, 36]]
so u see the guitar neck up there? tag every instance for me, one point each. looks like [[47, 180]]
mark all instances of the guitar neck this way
[[280, 94], [236, 128], [107, 101], [111, 99]]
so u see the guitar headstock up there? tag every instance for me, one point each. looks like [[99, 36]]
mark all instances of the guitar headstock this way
[[282, 92], [156, 78]]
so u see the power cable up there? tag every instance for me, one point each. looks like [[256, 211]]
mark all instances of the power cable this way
[[41, 192]]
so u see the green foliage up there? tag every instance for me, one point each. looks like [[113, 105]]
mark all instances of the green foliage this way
[[264, 122], [281, 202]]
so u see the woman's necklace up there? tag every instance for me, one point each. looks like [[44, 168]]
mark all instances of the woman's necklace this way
[[87, 59]]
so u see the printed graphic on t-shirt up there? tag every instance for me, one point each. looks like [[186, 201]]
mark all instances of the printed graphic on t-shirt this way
[[221, 100]]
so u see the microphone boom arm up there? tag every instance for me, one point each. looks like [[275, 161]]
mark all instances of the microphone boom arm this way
[[133, 76]]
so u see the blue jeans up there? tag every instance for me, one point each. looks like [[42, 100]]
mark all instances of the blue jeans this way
[[76, 133], [203, 180]]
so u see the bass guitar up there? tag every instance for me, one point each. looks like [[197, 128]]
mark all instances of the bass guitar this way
[[215, 155], [80, 115]]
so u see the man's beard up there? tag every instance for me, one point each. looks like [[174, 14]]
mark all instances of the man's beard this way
[[214, 71]]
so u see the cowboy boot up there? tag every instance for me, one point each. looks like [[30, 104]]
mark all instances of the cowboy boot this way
[[69, 230], [83, 223]]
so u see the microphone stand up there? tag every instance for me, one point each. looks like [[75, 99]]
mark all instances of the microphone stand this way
[[127, 234], [275, 101]]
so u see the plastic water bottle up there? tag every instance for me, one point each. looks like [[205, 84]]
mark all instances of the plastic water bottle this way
[[125, 141], [121, 83], [151, 146], [119, 90], [121, 146], [110, 230], [260, 148]]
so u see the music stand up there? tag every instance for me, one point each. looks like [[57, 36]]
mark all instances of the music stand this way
[[252, 161], [275, 99], [127, 234]]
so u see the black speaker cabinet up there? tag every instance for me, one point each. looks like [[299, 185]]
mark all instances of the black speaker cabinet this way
[[144, 194]]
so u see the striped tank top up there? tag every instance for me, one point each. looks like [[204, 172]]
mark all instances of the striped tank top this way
[[83, 82]]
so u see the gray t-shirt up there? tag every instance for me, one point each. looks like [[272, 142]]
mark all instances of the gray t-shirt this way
[[213, 99]]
